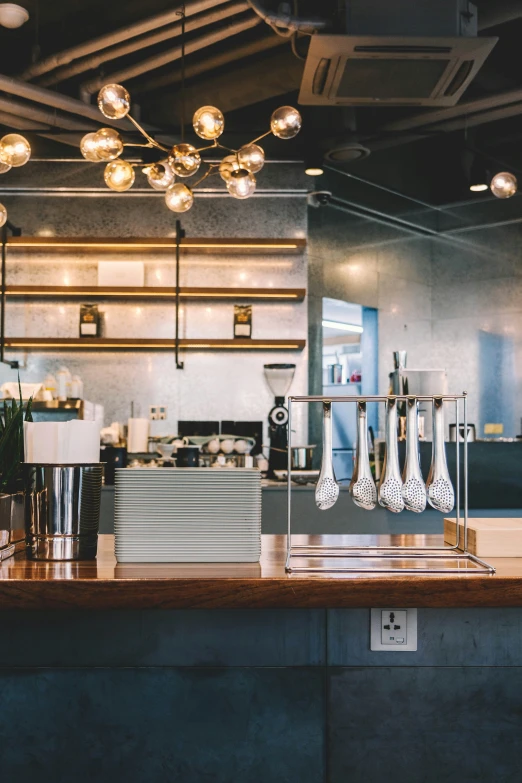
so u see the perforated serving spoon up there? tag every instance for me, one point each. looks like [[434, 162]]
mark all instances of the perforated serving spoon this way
[[413, 486], [327, 489], [441, 494], [362, 486], [390, 486]]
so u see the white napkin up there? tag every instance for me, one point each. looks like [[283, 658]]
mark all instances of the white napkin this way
[[62, 443], [138, 436]]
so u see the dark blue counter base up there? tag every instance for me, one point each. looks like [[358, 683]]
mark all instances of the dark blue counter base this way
[[266, 696]]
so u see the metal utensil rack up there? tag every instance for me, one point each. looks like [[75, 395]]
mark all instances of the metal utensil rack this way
[[425, 555]]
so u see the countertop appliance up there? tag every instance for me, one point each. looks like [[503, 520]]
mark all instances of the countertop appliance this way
[[279, 377]]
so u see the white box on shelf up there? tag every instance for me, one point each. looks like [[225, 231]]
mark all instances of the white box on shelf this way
[[121, 273]]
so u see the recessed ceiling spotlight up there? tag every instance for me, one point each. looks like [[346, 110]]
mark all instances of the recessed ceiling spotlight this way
[[504, 184], [314, 171], [479, 187], [12, 15]]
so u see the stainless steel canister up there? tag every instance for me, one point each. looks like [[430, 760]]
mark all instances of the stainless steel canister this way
[[302, 457], [62, 511]]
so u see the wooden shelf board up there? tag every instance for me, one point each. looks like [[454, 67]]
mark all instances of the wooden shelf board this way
[[113, 292], [188, 245], [144, 344]]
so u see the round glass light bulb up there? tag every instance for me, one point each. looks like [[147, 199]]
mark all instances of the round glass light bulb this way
[[504, 185], [229, 164], [89, 148], [119, 175], [159, 176], [241, 184], [179, 198], [285, 122], [185, 160], [15, 150], [114, 101], [251, 157], [108, 143], [208, 122], [3, 215], [4, 168]]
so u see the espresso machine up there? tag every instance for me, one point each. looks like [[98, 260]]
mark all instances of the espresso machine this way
[[279, 377]]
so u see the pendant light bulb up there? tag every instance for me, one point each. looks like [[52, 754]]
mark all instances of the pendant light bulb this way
[[208, 123], [15, 150], [251, 157], [12, 15], [504, 185], [185, 160], [159, 176], [108, 143], [4, 168], [89, 148], [179, 198], [241, 184], [114, 101], [285, 122], [119, 175], [3, 215], [229, 164]]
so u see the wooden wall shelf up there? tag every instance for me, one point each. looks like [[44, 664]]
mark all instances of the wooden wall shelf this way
[[188, 245], [153, 292], [144, 344]]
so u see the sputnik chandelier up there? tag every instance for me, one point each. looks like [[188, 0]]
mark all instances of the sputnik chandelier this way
[[237, 168], [15, 151]]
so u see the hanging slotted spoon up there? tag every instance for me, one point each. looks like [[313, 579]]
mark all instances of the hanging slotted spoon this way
[[413, 487], [327, 489], [441, 495], [390, 486], [362, 486]]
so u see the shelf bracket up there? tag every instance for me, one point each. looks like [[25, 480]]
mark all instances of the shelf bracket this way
[[180, 234], [16, 232]]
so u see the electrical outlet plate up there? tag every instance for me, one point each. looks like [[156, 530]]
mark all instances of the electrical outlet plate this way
[[157, 412], [393, 630]]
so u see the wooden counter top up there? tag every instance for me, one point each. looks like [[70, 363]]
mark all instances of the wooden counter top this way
[[105, 584]]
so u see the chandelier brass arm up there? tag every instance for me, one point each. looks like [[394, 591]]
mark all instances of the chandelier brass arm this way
[[237, 168]]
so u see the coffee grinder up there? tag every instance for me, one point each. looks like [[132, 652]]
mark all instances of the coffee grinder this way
[[279, 377]]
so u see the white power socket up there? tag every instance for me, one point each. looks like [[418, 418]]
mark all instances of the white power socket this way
[[393, 630]]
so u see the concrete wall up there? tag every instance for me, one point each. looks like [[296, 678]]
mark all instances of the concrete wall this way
[[453, 302], [264, 695]]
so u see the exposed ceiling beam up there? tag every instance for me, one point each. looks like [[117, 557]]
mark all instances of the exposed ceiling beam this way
[[242, 87], [430, 118], [171, 55], [210, 63], [493, 14], [46, 116], [68, 56], [138, 44], [51, 98]]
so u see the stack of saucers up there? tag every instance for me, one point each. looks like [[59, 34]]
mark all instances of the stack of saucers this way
[[188, 515]]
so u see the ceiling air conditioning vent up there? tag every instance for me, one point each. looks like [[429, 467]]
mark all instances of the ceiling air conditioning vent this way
[[346, 70]]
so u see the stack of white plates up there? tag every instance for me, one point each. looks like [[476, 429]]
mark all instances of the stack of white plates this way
[[188, 515]]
